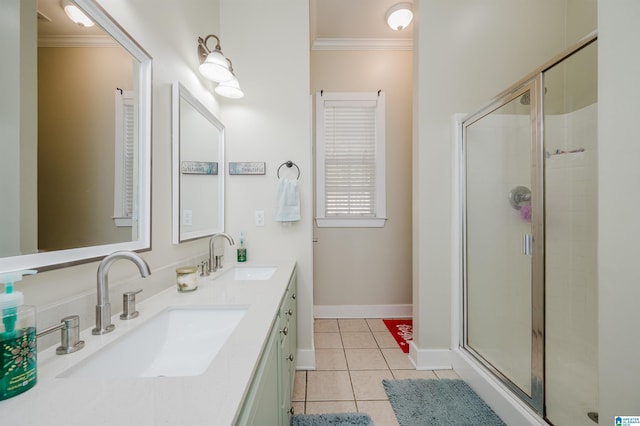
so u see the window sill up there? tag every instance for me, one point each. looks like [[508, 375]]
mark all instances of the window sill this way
[[123, 222], [370, 222]]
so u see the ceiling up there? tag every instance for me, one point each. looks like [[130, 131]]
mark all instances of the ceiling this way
[[329, 19], [52, 21], [347, 19]]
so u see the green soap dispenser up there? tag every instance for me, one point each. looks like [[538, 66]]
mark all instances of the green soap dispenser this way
[[242, 250], [18, 351]]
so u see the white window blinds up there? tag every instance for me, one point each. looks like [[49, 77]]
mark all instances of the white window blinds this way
[[125, 158], [350, 158], [350, 155]]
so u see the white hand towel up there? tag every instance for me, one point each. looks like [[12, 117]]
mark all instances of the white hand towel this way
[[287, 201]]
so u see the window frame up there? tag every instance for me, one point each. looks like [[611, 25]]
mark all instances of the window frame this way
[[379, 218]]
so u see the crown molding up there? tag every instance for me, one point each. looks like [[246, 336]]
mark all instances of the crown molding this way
[[76, 41], [362, 44]]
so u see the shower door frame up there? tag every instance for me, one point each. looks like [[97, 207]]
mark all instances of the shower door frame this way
[[531, 85], [535, 83]]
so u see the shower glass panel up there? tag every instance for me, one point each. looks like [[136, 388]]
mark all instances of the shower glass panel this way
[[571, 330], [499, 152]]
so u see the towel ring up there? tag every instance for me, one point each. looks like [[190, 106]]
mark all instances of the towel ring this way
[[289, 164]]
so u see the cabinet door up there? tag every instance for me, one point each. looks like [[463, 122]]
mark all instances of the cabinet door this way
[[284, 361], [261, 407]]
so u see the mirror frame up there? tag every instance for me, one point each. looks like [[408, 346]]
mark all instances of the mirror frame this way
[[68, 257], [179, 92]]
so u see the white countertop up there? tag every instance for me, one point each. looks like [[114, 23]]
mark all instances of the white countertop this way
[[212, 398]]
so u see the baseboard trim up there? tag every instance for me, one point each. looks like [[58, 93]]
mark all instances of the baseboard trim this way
[[363, 311], [430, 359], [511, 409], [306, 359]]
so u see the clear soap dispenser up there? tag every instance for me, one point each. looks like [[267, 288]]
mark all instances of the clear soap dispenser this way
[[18, 351]]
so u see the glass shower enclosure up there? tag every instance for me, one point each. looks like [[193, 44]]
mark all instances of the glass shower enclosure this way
[[529, 165]]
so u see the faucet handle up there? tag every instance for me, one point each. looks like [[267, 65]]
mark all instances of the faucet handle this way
[[218, 261], [129, 305], [69, 337], [204, 268]]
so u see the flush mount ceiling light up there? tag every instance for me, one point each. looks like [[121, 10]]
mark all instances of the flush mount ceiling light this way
[[75, 14], [399, 16], [213, 64], [230, 88]]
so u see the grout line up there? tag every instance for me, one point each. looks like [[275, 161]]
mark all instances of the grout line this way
[[306, 390]]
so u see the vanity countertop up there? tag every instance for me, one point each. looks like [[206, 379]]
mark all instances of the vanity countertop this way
[[212, 398]]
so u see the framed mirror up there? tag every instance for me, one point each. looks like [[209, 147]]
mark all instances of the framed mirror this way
[[198, 168], [76, 159]]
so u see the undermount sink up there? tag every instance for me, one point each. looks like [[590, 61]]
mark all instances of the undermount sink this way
[[179, 341], [255, 272]]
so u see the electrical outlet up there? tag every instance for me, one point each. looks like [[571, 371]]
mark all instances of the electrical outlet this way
[[187, 217], [259, 217]]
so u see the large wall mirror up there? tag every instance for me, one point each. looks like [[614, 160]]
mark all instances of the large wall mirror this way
[[198, 168], [75, 160]]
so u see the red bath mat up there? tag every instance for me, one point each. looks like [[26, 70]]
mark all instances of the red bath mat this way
[[402, 331]]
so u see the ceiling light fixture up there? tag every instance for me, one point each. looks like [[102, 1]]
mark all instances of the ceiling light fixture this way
[[230, 88], [399, 16], [76, 14], [213, 64]]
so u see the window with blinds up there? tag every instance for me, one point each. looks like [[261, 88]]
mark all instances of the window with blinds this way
[[350, 159], [124, 159]]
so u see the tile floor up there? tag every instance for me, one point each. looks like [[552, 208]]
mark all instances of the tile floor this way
[[353, 356]]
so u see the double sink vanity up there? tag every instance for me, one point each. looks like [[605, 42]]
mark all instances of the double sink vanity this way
[[221, 355]]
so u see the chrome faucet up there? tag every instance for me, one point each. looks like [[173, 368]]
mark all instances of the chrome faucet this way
[[215, 262], [103, 308]]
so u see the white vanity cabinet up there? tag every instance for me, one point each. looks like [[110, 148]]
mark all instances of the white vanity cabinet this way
[[268, 401]]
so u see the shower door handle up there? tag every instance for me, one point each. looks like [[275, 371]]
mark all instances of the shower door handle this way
[[528, 244]]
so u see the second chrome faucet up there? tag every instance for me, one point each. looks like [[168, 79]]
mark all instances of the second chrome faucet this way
[[103, 307], [215, 262]]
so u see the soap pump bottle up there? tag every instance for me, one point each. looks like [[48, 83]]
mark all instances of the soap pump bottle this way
[[18, 351], [242, 250]]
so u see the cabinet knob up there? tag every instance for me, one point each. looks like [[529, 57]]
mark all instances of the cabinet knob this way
[[290, 357], [291, 411], [285, 331], [293, 296], [289, 312]]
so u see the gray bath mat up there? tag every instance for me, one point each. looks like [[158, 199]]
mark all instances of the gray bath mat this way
[[341, 419], [438, 402]]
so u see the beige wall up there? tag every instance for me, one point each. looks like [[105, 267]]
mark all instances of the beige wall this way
[[76, 153], [370, 266], [467, 53], [268, 43], [618, 226]]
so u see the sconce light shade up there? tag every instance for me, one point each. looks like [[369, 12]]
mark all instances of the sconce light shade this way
[[230, 89], [75, 14], [399, 16], [213, 64]]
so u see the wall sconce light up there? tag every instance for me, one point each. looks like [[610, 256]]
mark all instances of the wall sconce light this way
[[75, 14], [213, 64], [399, 16], [230, 88]]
